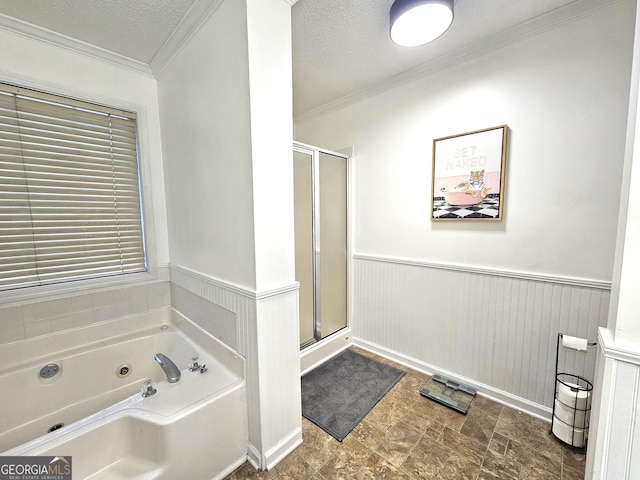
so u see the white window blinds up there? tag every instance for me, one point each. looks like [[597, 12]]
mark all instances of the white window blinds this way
[[69, 193]]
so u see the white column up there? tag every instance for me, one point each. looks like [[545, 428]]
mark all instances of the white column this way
[[614, 437], [226, 103], [274, 354]]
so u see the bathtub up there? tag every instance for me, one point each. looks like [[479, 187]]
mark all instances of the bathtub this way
[[93, 410]]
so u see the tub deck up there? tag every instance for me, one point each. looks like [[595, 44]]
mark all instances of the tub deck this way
[[110, 430]]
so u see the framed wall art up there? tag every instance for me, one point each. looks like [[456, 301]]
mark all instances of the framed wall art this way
[[468, 175]]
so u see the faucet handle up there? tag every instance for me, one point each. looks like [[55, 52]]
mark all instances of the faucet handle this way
[[149, 388], [193, 364]]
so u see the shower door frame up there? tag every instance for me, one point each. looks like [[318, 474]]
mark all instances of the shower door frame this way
[[315, 152]]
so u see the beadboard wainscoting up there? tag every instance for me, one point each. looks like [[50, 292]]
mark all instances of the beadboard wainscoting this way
[[614, 429], [495, 330], [267, 336]]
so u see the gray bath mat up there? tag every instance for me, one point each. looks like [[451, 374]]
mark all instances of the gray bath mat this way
[[338, 394]]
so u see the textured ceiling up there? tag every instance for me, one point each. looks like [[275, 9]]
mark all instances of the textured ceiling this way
[[343, 46], [134, 28], [340, 47]]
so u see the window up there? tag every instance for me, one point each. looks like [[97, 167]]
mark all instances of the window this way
[[70, 204]]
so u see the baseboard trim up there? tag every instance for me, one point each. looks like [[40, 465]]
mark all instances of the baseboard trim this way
[[271, 458], [284, 448], [253, 456], [499, 396], [322, 351]]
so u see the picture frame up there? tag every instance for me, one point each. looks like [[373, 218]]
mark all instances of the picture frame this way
[[467, 181]]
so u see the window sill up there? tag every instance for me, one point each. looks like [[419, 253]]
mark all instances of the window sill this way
[[81, 287]]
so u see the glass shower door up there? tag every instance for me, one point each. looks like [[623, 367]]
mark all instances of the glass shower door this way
[[331, 264], [304, 242], [320, 188]]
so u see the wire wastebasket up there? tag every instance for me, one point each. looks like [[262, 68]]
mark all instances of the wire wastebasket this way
[[571, 399], [571, 409]]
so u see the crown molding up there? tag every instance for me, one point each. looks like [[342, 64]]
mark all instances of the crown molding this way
[[564, 15], [55, 39], [191, 23], [195, 18]]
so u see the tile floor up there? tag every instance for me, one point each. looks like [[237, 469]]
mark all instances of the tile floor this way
[[407, 436]]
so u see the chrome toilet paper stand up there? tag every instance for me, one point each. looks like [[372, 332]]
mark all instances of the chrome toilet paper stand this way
[[578, 385]]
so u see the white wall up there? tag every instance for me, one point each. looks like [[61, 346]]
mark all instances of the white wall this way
[[269, 32], [225, 160], [207, 150], [563, 94], [485, 300]]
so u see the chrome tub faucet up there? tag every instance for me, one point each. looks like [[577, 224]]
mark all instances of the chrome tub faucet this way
[[170, 369]]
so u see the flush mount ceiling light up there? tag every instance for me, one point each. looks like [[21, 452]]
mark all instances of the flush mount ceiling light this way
[[416, 22]]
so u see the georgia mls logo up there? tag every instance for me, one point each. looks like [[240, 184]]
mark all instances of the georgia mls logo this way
[[35, 468], [60, 465]]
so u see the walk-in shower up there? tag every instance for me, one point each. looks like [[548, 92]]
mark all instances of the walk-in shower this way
[[321, 240]]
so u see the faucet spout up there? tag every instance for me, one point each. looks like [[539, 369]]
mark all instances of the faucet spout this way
[[170, 369]]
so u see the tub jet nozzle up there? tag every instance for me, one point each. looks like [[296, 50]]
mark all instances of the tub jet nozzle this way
[[50, 370]]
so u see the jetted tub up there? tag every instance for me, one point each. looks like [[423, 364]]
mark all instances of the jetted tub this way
[[195, 428]]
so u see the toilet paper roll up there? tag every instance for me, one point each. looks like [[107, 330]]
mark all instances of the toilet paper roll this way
[[570, 416], [573, 396], [572, 436], [575, 343]]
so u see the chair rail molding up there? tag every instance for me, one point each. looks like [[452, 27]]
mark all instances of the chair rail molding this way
[[537, 277]]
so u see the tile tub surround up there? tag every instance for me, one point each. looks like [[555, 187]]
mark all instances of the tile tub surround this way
[[407, 436], [31, 319]]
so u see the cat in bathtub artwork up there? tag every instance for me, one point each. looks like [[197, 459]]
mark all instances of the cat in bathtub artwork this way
[[471, 192]]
